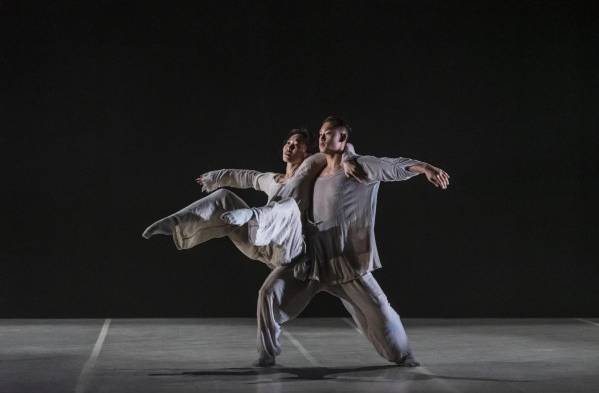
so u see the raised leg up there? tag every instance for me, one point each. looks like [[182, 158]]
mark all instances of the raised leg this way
[[198, 222]]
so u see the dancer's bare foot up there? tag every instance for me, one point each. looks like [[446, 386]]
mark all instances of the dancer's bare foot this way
[[158, 228], [408, 361], [237, 217]]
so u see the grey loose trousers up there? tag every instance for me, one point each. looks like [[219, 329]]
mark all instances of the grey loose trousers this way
[[282, 297]]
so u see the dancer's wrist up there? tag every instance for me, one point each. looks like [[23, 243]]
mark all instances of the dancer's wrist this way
[[419, 168]]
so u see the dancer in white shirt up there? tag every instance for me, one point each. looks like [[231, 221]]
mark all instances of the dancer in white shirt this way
[[272, 233]]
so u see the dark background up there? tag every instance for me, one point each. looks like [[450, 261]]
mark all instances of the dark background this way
[[109, 110]]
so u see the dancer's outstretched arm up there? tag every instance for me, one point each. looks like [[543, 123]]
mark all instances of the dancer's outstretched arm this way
[[400, 168], [237, 178], [437, 176], [264, 181]]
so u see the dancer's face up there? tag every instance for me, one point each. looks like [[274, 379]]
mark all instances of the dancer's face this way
[[331, 140], [295, 150]]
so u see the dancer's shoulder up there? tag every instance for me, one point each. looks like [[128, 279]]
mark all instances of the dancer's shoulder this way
[[312, 165]]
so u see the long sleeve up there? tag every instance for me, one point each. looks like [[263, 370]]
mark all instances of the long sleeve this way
[[387, 169], [237, 178]]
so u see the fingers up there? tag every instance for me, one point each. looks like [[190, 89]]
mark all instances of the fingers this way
[[362, 174], [347, 171], [352, 172], [442, 178], [438, 177], [446, 177], [359, 174], [444, 181], [357, 178], [355, 171]]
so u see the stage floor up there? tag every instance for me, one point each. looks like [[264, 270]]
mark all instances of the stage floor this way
[[319, 355]]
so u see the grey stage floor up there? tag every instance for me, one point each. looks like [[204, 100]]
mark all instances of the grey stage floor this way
[[320, 355]]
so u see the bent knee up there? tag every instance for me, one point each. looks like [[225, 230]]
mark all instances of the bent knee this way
[[228, 199]]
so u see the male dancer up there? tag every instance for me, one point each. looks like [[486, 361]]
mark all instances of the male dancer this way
[[342, 252]]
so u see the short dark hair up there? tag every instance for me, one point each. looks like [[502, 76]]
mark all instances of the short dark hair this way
[[338, 122], [305, 137]]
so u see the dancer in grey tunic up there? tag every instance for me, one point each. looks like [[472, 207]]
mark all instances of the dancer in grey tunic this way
[[342, 252]]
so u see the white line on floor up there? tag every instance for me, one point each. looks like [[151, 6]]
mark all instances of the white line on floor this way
[[587, 321], [89, 364], [301, 348]]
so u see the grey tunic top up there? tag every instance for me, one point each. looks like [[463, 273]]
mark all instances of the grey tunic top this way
[[341, 242]]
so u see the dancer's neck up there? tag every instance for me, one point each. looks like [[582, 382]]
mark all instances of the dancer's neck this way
[[290, 169], [333, 163]]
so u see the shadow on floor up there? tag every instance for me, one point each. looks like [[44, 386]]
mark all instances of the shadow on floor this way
[[328, 373]]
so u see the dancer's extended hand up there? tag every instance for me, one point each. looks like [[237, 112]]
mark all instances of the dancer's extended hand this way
[[355, 170], [437, 176], [204, 181]]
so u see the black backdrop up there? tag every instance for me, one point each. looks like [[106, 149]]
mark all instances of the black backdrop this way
[[111, 109]]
